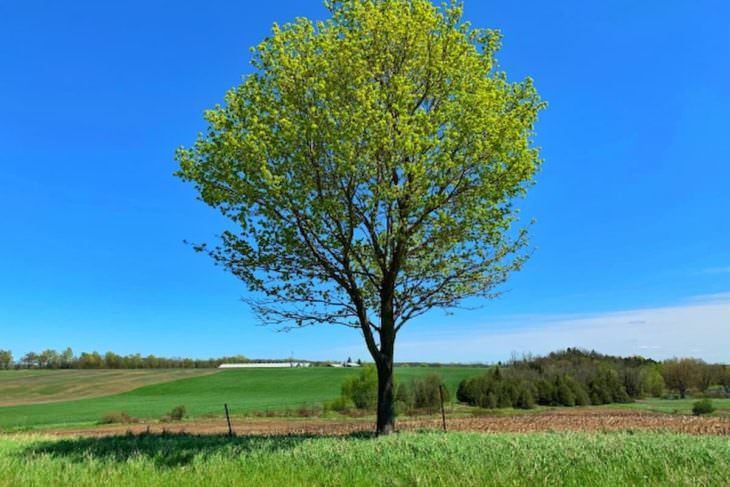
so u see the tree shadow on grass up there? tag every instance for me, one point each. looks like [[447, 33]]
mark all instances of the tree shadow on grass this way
[[171, 449]]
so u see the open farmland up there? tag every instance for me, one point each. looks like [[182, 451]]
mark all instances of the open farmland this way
[[675, 406], [243, 390], [613, 445], [427, 458], [579, 419], [20, 387]]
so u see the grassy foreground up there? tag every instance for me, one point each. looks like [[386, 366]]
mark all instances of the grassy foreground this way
[[243, 389], [427, 458]]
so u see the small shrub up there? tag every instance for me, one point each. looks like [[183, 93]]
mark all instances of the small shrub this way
[[703, 406], [420, 394], [177, 413], [305, 411], [405, 399], [341, 404], [401, 407], [363, 389], [427, 392], [117, 417]]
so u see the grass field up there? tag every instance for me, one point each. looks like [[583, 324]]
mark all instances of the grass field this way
[[681, 406], [243, 390], [39, 386], [600, 446], [424, 458]]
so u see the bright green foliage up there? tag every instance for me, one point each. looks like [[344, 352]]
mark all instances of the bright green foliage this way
[[340, 404], [423, 459], [418, 393], [369, 163], [363, 389], [651, 380], [6, 359]]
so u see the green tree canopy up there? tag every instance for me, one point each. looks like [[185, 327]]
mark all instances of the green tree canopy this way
[[6, 359], [370, 163]]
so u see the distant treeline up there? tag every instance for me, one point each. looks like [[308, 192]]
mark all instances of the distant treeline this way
[[442, 365], [575, 377], [52, 359]]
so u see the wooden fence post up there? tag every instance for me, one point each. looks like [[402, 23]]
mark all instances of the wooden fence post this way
[[228, 419], [443, 413]]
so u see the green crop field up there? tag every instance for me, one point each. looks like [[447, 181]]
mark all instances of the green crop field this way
[[425, 458], [38, 386], [242, 389]]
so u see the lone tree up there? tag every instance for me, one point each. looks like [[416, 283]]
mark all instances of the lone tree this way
[[369, 164], [6, 359], [682, 374]]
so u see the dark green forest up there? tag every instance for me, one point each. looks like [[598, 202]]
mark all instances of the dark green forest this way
[[575, 377]]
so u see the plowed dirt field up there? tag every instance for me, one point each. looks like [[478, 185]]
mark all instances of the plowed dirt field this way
[[588, 419]]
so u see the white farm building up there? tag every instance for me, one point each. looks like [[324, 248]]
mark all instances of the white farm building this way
[[263, 365]]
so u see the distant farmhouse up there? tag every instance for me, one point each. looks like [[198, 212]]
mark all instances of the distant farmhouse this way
[[281, 365], [263, 365], [343, 364]]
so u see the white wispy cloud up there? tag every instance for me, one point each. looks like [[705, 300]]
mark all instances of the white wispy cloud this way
[[698, 327], [710, 298]]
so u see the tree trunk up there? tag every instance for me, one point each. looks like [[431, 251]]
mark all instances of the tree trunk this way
[[386, 396], [384, 359]]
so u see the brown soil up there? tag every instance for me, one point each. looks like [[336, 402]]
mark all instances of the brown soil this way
[[588, 419]]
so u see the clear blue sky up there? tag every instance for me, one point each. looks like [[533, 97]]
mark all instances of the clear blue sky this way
[[632, 206]]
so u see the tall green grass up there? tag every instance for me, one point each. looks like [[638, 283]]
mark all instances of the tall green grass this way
[[430, 458], [244, 390]]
